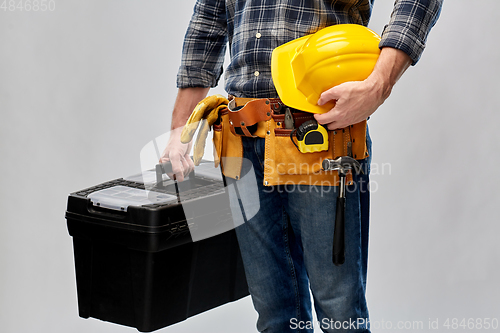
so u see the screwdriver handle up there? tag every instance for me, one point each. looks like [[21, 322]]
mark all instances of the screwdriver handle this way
[[338, 251]]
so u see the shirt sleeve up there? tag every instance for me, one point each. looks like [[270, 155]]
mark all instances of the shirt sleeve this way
[[409, 26], [204, 46]]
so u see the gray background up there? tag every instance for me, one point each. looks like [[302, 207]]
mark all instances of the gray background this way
[[84, 87]]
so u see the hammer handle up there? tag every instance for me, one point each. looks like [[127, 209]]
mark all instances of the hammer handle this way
[[338, 251]]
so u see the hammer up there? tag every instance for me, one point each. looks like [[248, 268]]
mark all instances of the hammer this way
[[342, 165]]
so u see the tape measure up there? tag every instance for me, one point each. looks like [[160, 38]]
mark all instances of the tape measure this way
[[311, 137]]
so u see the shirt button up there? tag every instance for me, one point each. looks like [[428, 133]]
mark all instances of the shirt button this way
[[256, 73], [258, 35]]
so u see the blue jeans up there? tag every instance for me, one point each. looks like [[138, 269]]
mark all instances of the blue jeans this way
[[287, 250]]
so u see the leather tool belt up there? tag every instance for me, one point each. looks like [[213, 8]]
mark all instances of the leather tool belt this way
[[283, 164]]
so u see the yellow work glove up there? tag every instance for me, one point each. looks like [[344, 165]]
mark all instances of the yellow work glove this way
[[206, 112]]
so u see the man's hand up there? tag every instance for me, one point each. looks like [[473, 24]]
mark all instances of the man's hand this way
[[177, 153], [356, 101]]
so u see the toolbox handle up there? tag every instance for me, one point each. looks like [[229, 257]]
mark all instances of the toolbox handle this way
[[165, 168], [161, 169], [105, 212]]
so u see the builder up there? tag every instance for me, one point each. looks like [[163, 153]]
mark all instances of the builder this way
[[286, 246]]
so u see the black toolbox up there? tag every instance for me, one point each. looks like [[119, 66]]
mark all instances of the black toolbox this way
[[135, 259]]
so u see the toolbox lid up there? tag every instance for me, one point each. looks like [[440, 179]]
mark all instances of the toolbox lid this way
[[208, 170], [149, 177], [120, 197]]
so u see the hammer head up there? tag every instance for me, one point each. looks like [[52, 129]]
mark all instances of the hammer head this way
[[342, 164]]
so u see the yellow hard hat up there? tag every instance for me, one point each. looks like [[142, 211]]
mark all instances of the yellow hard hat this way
[[305, 67]]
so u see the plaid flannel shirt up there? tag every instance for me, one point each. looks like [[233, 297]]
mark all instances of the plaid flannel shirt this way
[[253, 28]]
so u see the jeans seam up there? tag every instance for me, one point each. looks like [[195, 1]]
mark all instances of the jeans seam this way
[[360, 290], [292, 266], [257, 154]]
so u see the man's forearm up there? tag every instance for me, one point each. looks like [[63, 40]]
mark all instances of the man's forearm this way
[[186, 101], [391, 64]]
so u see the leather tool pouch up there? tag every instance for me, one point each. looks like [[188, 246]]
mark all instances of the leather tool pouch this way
[[285, 165], [248, 119], [228, 149]]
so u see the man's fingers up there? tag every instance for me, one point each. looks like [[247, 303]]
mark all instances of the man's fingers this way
[[330, 119], [333, 125], [189, 163], [185, 166], [325, 118], [331, 94], [177, 167]]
